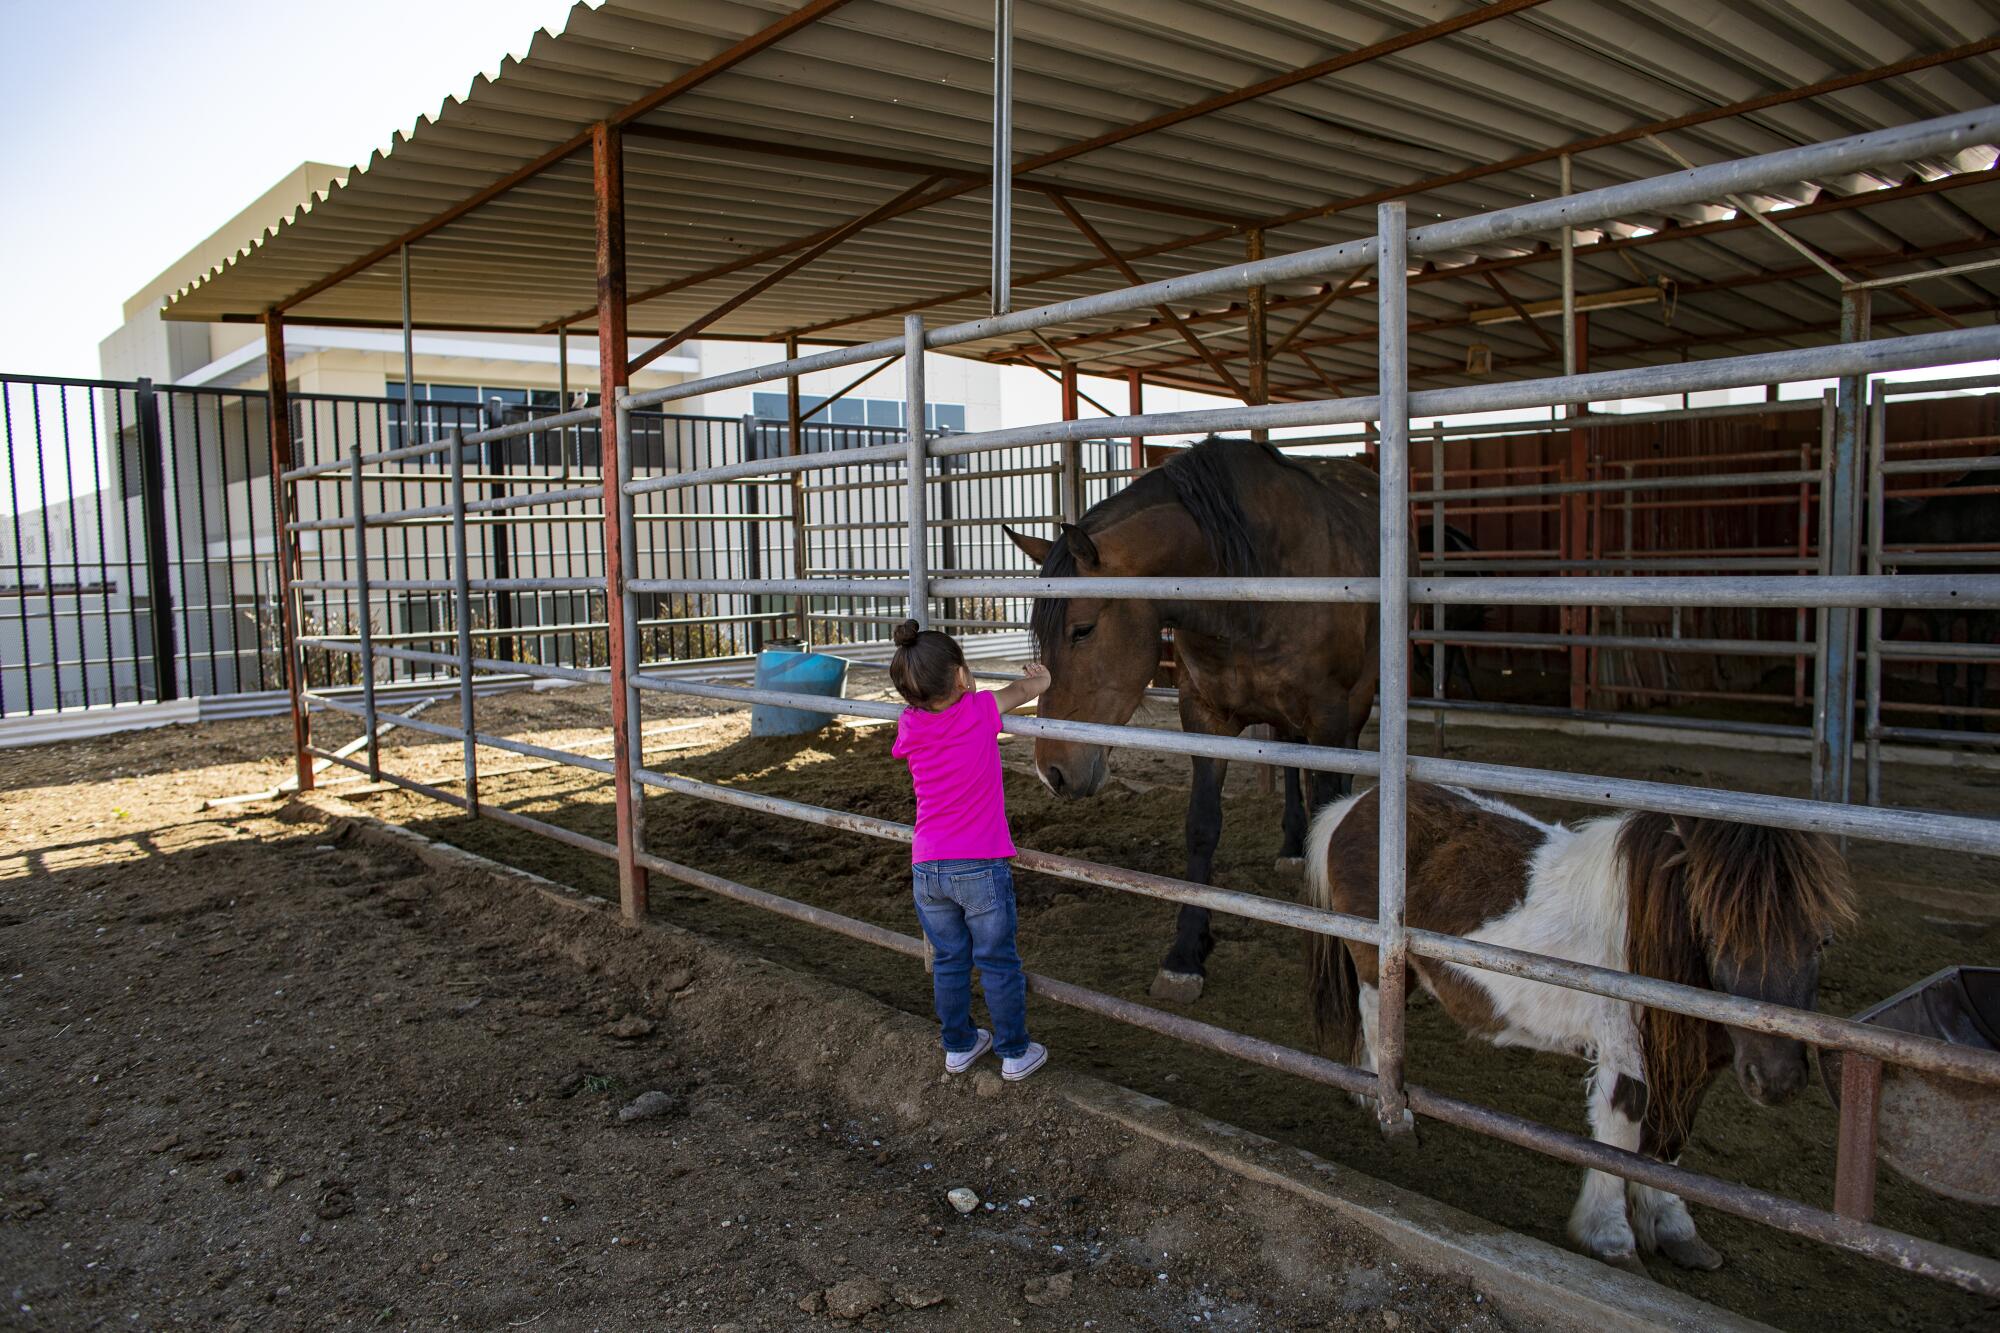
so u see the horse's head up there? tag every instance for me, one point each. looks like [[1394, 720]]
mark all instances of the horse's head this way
[[1764, 904], [1101, 654]]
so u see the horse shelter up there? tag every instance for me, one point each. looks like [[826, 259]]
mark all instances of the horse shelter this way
[[881, 179]]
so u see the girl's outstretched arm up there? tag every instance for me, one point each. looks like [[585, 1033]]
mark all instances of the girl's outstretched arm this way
[[1034, 680]]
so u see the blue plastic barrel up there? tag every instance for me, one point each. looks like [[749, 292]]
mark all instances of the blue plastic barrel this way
[[786, 665]]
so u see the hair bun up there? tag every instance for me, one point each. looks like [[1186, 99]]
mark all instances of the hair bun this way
[[906, 633]]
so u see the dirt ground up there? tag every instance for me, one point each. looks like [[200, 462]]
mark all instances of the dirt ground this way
[[1922, 911], [264, 1075]]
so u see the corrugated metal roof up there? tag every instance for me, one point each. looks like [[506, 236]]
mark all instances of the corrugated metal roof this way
[[772, 150]]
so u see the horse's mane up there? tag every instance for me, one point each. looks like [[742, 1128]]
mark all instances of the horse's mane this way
[[1748, 892], [1203, 480]]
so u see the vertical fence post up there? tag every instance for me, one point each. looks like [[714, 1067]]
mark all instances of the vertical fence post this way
[[795, 445], [1823, 566], [1440, 650], [461, 591], [284, 509], [913, 418], [1392, 790], [1835, 753], [1877, 450], [1255, 323], [1135, 394], [159, 557], [1002, 244], [614, 462], [361, 607], [1069, 487]]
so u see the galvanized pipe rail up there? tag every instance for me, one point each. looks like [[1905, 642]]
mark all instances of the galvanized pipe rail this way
[[1394, 593]]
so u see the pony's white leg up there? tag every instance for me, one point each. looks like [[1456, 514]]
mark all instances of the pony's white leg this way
[[1663, 1225], [1370, 1002], [1598, 1223]]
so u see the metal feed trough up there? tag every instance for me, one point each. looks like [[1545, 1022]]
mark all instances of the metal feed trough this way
[[1941, 1132], [1835, 593]]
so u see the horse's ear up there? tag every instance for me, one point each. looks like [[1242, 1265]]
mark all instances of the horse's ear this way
[[1035, 548], [1080, 545]]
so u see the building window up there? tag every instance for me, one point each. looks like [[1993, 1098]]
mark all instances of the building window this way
[[879, 412]]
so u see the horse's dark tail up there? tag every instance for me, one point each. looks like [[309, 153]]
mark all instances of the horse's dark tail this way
[[1333, 989]]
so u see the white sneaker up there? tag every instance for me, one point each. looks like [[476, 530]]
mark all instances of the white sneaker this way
[[1017, 1067], [982, 1042]]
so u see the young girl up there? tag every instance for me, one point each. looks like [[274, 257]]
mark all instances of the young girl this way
[[964, 888]]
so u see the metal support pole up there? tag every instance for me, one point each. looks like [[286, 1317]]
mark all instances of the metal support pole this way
[[461, 593], [1255, 326], [1135, 400], [1877, 451], [608, 192], [1572, 617], [1392, 789], [563, 434], [1843, 506], [410, 432], [159, 555], [794, 446], [1440, 651], [1568, 280], [362, 621], [1070, 485], [1003, 156], [913, 425], [1827, 415], [284, 512]]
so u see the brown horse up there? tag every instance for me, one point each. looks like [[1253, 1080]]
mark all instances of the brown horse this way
[[1223, 507], [1736, 908]]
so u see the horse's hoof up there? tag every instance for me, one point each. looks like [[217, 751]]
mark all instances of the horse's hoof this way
[[1628, 1260], [1180, 987], [1295, 865], [1694, 1252]]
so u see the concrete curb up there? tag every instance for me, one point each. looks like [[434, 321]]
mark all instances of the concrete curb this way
[[1527, 1279]]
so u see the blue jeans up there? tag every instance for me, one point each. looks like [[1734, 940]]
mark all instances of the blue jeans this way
[[967, 911]]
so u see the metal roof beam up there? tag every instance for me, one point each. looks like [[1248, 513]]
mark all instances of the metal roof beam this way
[[724, 60], [1748, 106], [1760, 278], [1609, 245], [918, 167], [1361, 55], [776, 275]]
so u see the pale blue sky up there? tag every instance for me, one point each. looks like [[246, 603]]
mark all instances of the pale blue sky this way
[[131, 129]]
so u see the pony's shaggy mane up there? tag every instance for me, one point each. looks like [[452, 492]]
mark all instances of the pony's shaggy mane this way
[[1742, 891], [1202, 480]]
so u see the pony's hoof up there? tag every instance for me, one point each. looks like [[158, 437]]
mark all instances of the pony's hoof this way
[[1180, 987], [1628, 1260], [1694, 1252], [1295, 865]]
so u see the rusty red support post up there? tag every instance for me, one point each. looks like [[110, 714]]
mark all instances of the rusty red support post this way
[[608, 180], [1135, 397], [1860, 1104], [284, 510]]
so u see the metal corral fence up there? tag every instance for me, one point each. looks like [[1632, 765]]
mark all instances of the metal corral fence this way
[[637, 498], [138, 558]]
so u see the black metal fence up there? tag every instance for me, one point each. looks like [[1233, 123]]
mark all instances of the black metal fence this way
[[138, 561]]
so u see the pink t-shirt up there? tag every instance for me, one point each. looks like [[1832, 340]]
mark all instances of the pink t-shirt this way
[[954, 758]]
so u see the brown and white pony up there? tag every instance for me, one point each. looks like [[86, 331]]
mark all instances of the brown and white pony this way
[[1736, 908]]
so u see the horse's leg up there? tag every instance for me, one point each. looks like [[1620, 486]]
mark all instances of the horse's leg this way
[[1291, 853], [1975, 694], [1182, 971], [1461, 669], [1598, 1223], [1369, 1002], [1662, 1224]]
